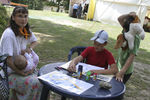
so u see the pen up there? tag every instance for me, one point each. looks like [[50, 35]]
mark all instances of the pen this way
[[57, 68], [76, 85], [60, 68]]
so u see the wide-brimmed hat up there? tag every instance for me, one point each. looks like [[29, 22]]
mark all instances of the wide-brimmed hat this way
[[100, 36]]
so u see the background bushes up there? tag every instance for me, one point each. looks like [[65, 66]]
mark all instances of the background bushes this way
[[32, 4], [3, 19]]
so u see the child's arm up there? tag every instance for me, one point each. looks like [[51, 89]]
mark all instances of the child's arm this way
[[120, 75], [30, 63], [112, 71], [30, 71]]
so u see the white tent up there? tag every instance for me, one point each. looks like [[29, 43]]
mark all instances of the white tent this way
[[107, 11]]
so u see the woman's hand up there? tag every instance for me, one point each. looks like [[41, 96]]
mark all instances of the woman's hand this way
[[23, 52], [31, 46], [28, 50], [22, 73]]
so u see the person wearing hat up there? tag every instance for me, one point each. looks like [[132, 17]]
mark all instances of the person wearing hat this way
[[97, 55]]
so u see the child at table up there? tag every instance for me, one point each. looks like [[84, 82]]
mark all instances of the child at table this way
[[97, 55], [27, 61]]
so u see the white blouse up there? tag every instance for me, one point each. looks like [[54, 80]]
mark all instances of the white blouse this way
[[12, 45]]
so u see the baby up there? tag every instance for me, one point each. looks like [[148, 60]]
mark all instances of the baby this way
[[26, 62]]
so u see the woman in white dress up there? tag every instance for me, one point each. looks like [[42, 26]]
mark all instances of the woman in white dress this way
[[14, 39]]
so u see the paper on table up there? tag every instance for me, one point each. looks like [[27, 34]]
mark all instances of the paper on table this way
[[86, 67], [106, 78], [64, 81]]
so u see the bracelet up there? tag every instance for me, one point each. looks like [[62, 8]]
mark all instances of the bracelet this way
[[30, 48]]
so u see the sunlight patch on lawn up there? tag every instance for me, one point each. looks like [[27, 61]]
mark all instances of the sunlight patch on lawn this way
[[57, 21], [44, 37]]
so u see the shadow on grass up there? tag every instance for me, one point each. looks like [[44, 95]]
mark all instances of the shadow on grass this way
[[56, 40]]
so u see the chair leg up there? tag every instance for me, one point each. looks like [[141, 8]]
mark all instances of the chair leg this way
[[63, 98]]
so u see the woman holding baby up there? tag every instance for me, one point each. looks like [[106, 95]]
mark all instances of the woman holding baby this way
[[14, 40]]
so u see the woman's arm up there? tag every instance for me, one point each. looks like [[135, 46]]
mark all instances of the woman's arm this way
[[112, 71], [120, 74], [31, 46], [74, 62], [12, 66]]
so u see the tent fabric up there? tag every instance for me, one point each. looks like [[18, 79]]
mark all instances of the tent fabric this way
[[108, 11]]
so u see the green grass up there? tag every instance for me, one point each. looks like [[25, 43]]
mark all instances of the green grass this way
[[62, 32], [60, 38]]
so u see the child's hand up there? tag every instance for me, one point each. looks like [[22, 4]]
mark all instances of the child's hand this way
[[72, 67], [119, 76]]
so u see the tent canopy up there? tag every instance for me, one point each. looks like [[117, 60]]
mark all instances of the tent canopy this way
[[108, 11]]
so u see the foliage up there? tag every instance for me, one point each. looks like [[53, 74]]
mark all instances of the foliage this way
[[35, 4], [3, 19], [50, 3], [32, 4], [66, 4]]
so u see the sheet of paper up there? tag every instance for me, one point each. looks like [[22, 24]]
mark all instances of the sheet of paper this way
[[64, 81], [106, 78], [86, 67]]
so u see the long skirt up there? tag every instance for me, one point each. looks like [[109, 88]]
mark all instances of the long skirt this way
[[26, 87]]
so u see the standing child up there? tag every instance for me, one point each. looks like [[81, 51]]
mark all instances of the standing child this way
[[126, 56]]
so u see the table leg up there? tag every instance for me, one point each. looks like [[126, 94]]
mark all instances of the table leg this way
[[44, 94], [63, 98]]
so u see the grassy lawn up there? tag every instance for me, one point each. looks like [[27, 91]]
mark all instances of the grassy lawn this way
[[57, 33]]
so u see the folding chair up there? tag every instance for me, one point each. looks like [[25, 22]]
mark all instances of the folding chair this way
[[4, 86], [77, 49]]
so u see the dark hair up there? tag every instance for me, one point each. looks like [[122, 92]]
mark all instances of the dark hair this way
[[13, 25], [127, 23]]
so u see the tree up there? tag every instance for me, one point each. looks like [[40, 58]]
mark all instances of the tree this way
[[3, 19], [58, 3], [66, 4], [32, 4]]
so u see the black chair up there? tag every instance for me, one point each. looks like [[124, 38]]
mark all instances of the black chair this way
[[77, 49], [4, 86]]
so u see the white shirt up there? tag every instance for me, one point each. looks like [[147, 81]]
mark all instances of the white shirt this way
[[32, 60], [12, 45]]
